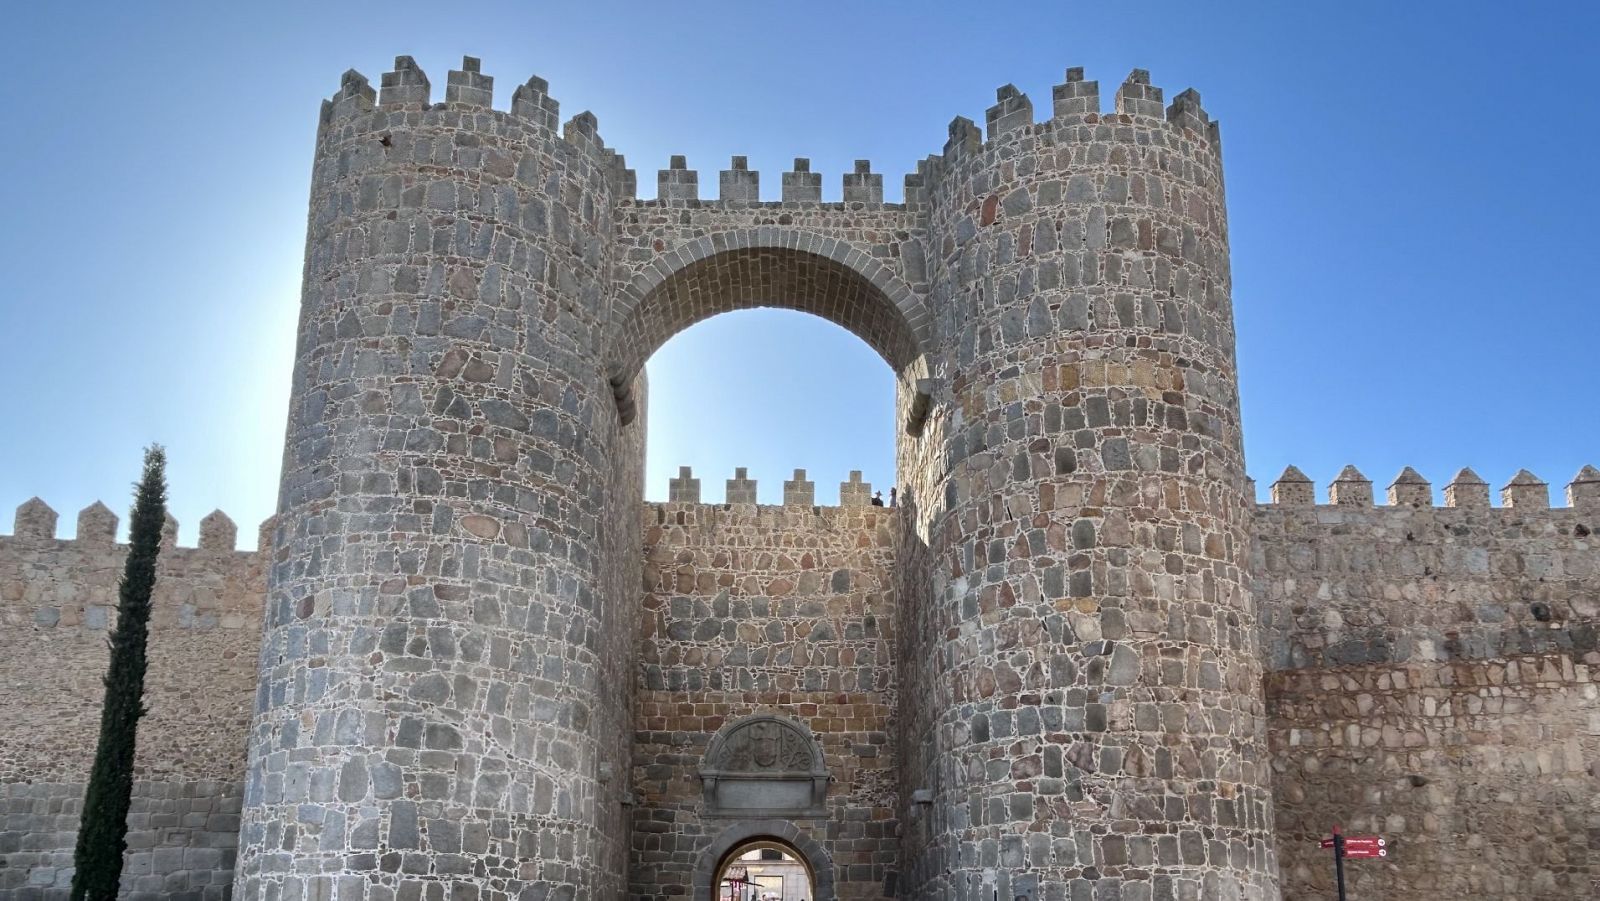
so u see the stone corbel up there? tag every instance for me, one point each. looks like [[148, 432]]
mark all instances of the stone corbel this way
[[921, 406]]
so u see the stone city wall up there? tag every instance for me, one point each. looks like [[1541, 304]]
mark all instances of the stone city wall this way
[[1433, 679], [57, 601], [750, 610]]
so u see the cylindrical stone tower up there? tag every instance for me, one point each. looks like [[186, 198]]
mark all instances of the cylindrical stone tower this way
[[444, 676], [1084, 696]]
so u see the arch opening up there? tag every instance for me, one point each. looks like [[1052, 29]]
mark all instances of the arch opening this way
[[860, 295], [764, 869], [772, 833], [773, 390]]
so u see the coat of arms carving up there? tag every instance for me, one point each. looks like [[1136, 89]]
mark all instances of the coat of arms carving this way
[[764, 765]]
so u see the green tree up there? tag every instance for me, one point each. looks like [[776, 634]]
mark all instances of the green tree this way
[[103, 831]]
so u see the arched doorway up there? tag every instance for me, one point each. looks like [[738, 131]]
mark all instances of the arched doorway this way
[[764, 870], [771, 857]]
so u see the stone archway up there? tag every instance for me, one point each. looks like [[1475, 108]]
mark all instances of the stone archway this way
[[782, 832], [661, 289], [760, 267]]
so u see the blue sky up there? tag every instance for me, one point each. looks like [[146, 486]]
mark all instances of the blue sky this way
[[1410, 191]]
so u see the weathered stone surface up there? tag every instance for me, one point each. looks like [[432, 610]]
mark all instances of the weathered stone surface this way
[[1410, 489], [1392, 633], [766, 610], [1045, 683], [1467, 490], [1350, 489], [1526, 490], [685, 488], [741, 489], [96, 522], [35, 521], [458, 524], [57, 601], [218, 532], [1039, 676], [855, 492], [1430, 679], [799, 491]]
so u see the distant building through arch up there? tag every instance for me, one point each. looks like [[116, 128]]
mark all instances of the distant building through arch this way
[[744, 836]]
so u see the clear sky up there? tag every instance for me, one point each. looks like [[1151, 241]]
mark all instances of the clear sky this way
[[1411, 189]]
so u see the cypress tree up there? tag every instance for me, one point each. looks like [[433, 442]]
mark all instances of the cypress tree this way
[[103, 830]]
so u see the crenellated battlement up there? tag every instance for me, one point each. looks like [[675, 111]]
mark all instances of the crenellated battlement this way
[[50, 583], [36, 522], [798, 490], [407, 89], [1076, 102], [1353, 583], [739, 186], [406, 96], [1410, 490]]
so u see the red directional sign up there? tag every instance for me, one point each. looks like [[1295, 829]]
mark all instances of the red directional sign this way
[[1361, 846], [1352, 846]]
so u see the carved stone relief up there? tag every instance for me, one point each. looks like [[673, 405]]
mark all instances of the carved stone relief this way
[[764, 765]]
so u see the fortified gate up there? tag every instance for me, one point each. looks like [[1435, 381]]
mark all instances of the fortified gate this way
[[1078, 661], [463, 471]]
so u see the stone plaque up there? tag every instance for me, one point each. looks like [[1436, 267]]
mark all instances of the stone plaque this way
[[764, 766]]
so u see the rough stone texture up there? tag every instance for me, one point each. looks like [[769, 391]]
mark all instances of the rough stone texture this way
[[444, 670], [182, 839], [1041, 676], [685, 488], [1431, 678], [1434, 682], [57, 603], [751, 610], [1479, 775], [799, 491], [741, 489], [854, 492], [1082, 675], [696, 260]]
